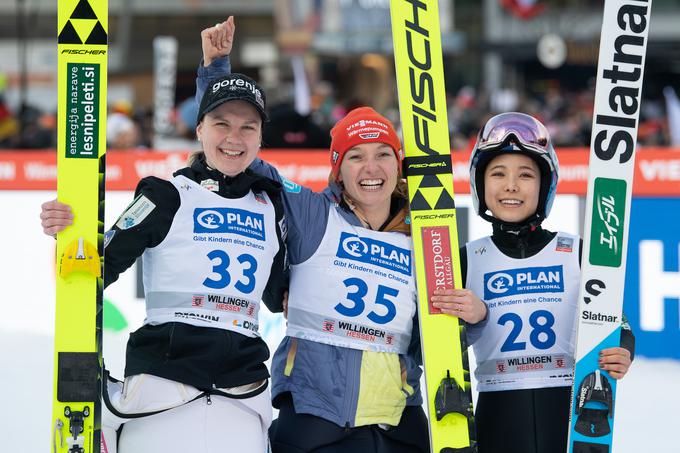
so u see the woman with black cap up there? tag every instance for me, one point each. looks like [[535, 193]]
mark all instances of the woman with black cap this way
[[528, 277], [212, 245], [346, 378]]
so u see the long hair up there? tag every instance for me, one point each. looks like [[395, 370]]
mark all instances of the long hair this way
[[195, 156]]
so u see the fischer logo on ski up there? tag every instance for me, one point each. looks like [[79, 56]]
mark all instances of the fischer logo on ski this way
[[81, 148], [428, 169]]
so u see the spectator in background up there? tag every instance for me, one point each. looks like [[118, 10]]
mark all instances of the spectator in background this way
[[185, 118], [37, 130], [289, 129], [122, 132], [9, 126]]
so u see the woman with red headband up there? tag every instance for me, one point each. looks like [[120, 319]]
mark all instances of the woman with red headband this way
[[347, 373], [346, 376]]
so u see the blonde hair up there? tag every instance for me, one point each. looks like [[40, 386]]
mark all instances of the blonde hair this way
[[195, 157]]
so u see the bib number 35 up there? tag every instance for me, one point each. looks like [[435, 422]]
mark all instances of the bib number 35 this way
[[358, 305]]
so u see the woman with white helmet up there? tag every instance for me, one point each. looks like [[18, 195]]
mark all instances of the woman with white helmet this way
[[528, 277]]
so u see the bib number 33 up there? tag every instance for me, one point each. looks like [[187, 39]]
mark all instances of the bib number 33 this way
[[221, 261]]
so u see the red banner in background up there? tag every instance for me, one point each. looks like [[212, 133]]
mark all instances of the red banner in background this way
[[657, 171]]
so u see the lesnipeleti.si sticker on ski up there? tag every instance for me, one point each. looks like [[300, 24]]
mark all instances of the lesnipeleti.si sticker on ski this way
[[621, 64], [81, 147], [422, 103]]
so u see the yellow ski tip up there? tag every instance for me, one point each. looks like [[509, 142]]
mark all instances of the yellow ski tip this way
[[80, 256]]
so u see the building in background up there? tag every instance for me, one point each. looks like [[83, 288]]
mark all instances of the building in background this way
[[322, 57]]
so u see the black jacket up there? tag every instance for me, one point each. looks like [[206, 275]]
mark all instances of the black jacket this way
[[203, 357]]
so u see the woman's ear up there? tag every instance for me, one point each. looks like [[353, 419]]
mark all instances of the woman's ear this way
[[199, 129]]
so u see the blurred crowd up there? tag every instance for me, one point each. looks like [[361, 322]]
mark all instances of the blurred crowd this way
[[568, 116]]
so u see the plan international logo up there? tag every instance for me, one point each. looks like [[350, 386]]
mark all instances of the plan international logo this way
[[228, 220], [377, 253], [528, 280]]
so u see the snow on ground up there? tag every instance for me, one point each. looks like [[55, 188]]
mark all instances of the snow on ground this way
[[647, 405]]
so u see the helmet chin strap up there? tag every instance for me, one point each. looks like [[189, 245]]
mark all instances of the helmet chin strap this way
[[519, 228]]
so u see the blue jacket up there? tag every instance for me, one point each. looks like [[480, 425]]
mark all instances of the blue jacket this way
[[346, 386]]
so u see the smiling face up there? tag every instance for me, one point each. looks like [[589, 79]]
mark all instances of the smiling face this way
[[231, 135], [369, 173], [511, 187]]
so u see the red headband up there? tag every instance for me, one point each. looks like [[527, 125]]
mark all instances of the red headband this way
[[362, 125]]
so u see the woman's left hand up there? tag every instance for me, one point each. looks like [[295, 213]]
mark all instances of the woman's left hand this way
[[460, 302], [616, 361], [217, 41]]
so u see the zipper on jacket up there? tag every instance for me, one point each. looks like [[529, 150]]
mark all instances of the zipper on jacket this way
[[168, 354], [208, 400], [523, 244], [353, 392]]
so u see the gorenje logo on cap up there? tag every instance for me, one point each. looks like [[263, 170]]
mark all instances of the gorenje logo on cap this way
[[523, 281], [239, 84]]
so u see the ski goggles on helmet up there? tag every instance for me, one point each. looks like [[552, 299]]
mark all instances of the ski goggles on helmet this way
[[526, 131]]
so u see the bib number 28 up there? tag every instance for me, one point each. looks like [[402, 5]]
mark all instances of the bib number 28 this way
[[541, 337]]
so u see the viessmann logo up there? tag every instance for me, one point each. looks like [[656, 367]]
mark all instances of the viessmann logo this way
[[528, 280], [378, 253]]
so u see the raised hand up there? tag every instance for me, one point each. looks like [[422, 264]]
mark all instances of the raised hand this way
[[216, 41]]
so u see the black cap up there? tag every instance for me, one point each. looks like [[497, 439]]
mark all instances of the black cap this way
[[231, 88]]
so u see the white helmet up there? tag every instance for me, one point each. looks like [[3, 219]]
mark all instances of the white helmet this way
[[514, 132]]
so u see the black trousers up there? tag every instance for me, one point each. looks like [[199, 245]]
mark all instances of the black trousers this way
[[523, 421], [298, 433]]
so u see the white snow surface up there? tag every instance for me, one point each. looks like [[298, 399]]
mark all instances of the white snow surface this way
[[647, 416], [646, 412]]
